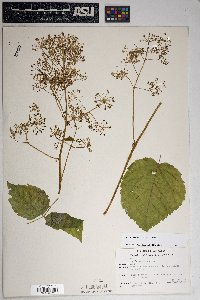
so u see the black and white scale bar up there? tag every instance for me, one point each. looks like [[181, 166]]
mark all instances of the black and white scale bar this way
[[50, 12]]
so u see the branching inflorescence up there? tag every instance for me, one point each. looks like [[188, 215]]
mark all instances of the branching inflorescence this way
[[152, 47], [54, 72]]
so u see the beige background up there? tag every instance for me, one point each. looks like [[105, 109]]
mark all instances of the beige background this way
[[35, 254]]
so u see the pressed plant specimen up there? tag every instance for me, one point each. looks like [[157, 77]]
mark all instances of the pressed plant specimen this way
[[54, 72], [150, 190]]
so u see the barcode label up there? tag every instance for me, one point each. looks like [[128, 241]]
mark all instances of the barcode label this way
[[47, 289]]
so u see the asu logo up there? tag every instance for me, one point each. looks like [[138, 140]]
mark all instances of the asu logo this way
[[84, 11]]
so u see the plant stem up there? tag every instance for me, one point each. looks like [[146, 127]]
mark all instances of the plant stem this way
[[60, 175], [144, 61], [35, 219], [70, 148], [135, 69], [133, 116], [134, 87], [130, 155], [58, 103], [60, 155], [135, 143], [28, 143], [86, 113], [139, 88], [133, 106], [56, 98], [44, 215]]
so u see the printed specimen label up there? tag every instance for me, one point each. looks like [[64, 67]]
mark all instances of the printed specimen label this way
[[144, 270]]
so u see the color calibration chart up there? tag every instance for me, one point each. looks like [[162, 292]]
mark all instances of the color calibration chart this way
[[117, 14]]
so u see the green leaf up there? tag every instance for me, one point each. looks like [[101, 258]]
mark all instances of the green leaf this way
[[69, 139], [66, 223], [28, 201], [151, 191]]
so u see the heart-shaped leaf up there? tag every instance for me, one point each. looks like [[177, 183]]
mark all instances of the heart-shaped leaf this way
[[28, 201], [151, 191], [66, 223]]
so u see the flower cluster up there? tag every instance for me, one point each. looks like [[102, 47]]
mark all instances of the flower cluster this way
[[77, 113], [158, 45], [120, 74], [104, 100], [18, 129], [55, 69], [54, 79], [60, 48], [156, 88], [99, 127], [36, 123], [56, 132], [134, 55]]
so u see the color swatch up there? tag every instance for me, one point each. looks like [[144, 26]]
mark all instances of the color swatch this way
[[117, 14]]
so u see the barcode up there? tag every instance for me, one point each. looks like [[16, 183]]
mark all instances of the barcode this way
[[47, 289]]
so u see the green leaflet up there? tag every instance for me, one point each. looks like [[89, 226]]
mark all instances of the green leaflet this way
[[151, 191], [27, 201], [66, 223]]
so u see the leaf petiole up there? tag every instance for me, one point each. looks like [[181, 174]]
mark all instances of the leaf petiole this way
[[44, 214]]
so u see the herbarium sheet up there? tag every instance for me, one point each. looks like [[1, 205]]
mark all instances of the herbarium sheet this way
[[95, 152]]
